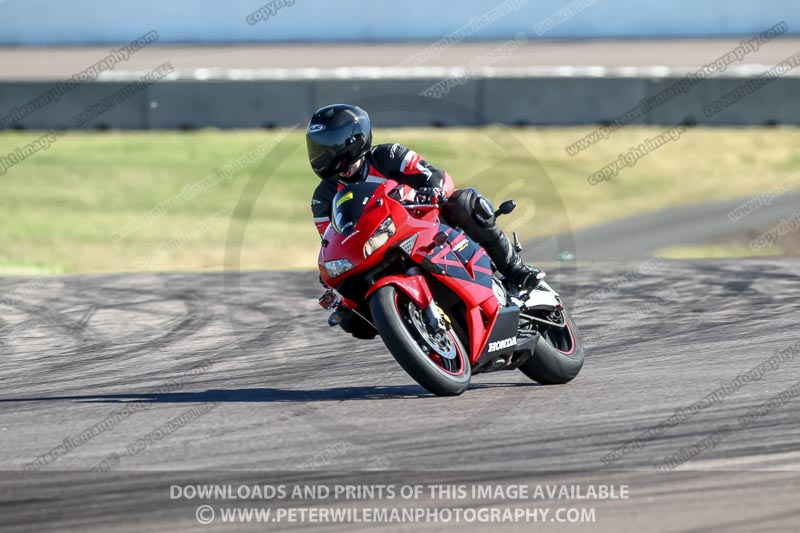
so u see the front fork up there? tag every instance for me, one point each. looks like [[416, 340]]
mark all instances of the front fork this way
[[415, 286], [434, 319]]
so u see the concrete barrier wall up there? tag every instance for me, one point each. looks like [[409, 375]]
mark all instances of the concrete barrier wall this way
[[37, 22], [530, 100]]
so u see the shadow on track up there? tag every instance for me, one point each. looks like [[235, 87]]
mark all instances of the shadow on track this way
[[267, 395]]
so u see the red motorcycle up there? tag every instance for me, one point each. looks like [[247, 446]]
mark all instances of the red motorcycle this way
[[433, 296]]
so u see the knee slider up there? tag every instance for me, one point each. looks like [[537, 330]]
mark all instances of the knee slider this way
[[483, 211]]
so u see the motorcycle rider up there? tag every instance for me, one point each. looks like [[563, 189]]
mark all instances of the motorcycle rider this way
[[339, 142]]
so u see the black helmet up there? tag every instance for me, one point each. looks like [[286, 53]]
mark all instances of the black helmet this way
[[337, 136]]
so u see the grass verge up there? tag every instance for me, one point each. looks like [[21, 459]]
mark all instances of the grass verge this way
[[61, 209]]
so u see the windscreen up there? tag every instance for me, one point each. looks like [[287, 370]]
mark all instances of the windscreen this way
[[348, 205]]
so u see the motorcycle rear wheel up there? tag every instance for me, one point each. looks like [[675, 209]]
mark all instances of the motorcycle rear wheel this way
[[558, 357], [392, 313]]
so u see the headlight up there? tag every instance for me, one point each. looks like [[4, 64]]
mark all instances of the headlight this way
[[380, 237], [337, 267]]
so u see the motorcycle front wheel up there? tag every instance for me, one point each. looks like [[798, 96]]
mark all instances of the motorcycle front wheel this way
[[437, 362]]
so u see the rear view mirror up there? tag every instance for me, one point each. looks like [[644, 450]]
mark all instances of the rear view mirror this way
[[505, 208]]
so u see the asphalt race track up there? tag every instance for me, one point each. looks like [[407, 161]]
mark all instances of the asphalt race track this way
[[263, 385], [674, 226]]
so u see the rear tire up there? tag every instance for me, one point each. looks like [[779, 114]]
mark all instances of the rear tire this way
[[558, 357], [392, 322]]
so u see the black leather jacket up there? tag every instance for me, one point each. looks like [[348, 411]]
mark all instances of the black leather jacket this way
[[392, 161]]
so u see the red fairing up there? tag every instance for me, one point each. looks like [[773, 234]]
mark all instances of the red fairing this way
[[322, 225], [468, 282], [414, 286]]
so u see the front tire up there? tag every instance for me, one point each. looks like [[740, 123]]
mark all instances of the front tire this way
[[391, 313], [558, 357]]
